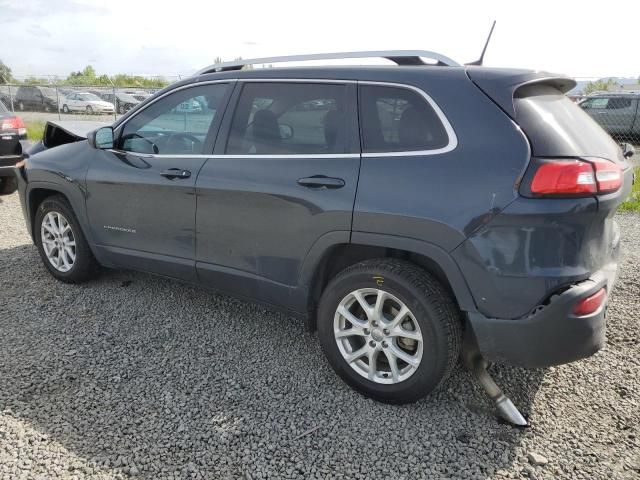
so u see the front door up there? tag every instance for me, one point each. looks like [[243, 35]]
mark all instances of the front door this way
[[284, 176], [141, 195]]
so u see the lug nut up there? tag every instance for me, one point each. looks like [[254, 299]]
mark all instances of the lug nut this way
[[374, 323], [366, 331], [385, 331], [372, 343], [384, 344]]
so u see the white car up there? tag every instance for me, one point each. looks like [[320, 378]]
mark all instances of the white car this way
[[86, 102]]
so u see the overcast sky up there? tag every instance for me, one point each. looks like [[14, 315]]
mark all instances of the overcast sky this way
[[54, 37]]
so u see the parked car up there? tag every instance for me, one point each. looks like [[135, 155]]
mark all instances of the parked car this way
[[12, 130], [5, 98], [139, 95], [415, 214], [86, 102], [33, 97], [190, 106], [617, 112], [123, 101]]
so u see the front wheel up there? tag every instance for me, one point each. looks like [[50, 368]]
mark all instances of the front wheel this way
[[89, 110], [65, 109], [389, 329], [61, 242]]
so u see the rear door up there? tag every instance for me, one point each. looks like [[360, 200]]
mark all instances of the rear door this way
[[284, 176], [141, 195]]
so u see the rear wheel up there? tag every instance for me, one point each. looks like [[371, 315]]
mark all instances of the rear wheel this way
[[61, 243], [21, 106], [389, 329], [65, 109], [89, 110]]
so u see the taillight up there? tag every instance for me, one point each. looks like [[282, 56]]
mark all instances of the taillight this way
[[588, 305], [13, 123], [608, 175], [576, 177]]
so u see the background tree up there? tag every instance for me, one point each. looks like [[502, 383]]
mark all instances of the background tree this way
[[5, 73], [600, 85]]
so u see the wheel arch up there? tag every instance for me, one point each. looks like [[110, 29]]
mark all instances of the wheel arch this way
[[40, 191], [325, 260]]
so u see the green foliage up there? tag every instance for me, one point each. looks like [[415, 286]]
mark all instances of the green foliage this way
[[600, 85], [632, 204], [35, 131], [87, 77], [5, 73]]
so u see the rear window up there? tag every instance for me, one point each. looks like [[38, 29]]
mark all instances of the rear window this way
[[558, 127], [396, 119]]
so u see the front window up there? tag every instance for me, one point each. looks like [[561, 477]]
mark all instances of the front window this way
[[176, 124]]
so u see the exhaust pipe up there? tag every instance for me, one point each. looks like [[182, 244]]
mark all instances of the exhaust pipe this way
[[473, 361]]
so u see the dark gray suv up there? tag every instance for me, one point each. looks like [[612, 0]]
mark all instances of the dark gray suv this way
[[410, 213]]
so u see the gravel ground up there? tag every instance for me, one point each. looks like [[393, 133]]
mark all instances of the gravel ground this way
[[136, 376]]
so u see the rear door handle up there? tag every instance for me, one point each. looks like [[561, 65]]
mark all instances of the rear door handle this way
[[321, 181], [175, 173]]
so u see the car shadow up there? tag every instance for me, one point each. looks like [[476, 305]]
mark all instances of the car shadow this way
[[137, 375]]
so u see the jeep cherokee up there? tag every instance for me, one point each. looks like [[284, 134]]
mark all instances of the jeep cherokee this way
[[404, 211]]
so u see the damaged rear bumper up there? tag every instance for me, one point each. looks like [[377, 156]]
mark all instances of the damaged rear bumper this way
[[552, 335]]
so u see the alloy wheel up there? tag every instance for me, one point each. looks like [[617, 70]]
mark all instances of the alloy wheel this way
[[378, 336], [58, 241]]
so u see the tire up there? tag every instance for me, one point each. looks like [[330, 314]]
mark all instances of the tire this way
[[65, 109], [433, 316], [89, 110], [21, 106], [84, 266]]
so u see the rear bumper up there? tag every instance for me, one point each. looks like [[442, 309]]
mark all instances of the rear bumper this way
[[551, 336]]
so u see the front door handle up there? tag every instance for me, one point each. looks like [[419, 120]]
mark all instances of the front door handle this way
[[321, 181], [175, 173]]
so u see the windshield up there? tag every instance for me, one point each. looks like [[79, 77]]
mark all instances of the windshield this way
[[89, 97]]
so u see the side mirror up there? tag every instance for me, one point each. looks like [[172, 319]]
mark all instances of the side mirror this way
[[286, 131], [627, 150], [102, 138]]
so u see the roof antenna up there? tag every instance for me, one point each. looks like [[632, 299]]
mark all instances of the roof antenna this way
[[479, 61]]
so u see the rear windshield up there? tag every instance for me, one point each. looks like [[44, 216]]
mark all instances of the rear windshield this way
[[557, 127]]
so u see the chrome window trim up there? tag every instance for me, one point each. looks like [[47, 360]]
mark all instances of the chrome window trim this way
[[451, 134], [247, 157]]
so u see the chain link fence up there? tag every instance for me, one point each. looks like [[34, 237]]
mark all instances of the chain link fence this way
[[617, 110], [45, 101]]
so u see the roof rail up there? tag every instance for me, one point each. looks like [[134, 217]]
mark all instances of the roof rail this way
[[401, 57]]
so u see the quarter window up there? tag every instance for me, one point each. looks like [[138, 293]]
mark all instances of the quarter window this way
[[293, 118], [398, 120], [177, 124]]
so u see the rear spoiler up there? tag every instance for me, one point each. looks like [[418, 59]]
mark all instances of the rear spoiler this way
[[500, 84]]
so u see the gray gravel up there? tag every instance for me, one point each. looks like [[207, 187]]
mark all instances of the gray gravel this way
[[136, 376]]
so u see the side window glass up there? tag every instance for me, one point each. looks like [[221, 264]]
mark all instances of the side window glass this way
[[616, 103], [294, 118], [596, 103], [176, 124], [398, 120]]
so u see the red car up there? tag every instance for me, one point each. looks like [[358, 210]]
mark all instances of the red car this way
[[12, 130]]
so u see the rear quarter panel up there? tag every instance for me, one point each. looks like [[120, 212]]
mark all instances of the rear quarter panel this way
[[442, 199]]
